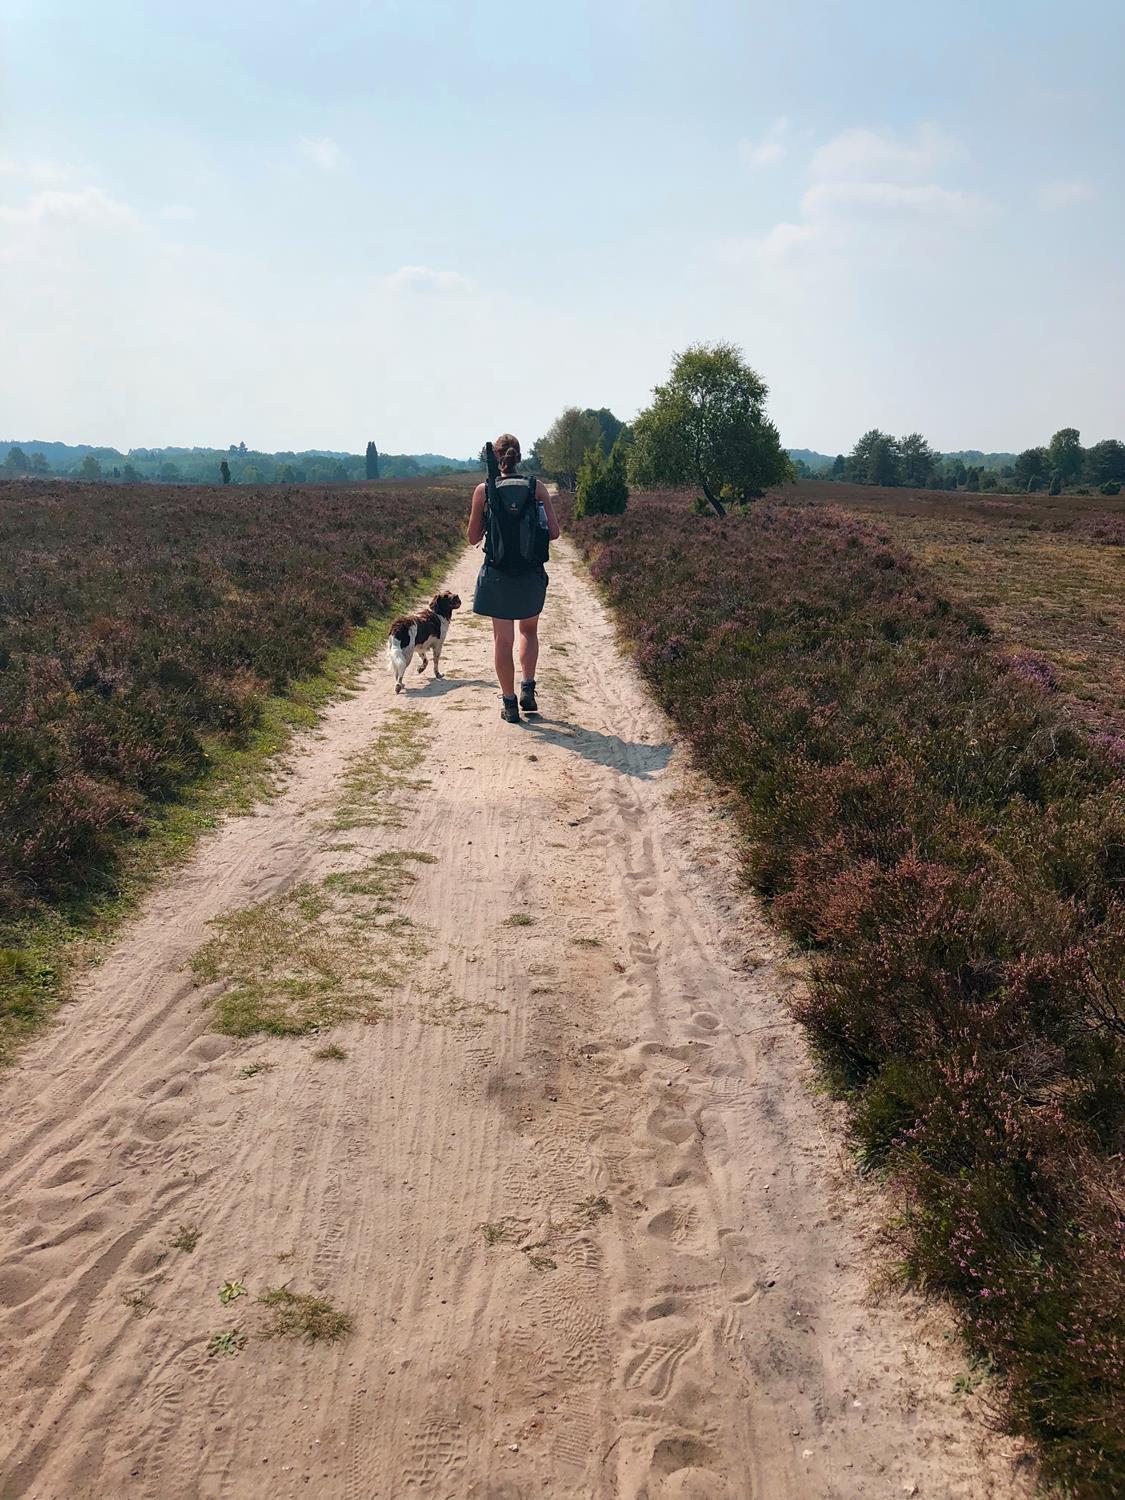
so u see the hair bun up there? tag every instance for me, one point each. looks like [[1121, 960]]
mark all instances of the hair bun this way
[[507, 450]]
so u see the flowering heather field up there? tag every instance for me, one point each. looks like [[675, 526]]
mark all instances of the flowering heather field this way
[[1046, 571], [924, 816], [140, 625]]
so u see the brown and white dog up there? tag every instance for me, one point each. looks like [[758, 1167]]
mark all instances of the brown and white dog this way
[[424, 632]]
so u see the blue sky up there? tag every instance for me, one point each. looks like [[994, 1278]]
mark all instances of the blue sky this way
[[310, 224]]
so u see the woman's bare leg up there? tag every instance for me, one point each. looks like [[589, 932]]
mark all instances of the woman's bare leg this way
[[529, 647], [503, 638]]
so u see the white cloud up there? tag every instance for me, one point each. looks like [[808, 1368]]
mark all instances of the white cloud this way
[[828, 199], [770, 149], [872, 155], [179, 211], [37, 171], [321, 151], [89, 205], [1063, 194], [785, 240], [423, 278], [870, 192]]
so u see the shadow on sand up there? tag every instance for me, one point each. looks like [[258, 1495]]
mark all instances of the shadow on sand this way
[[438, 687], [630, 757]]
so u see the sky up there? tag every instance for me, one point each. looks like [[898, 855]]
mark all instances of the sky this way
[[424, 222]]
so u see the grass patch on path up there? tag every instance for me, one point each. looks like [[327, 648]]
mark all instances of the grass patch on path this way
[[320, 953]]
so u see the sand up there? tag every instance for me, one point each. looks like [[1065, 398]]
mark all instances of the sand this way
[[596, 1233]]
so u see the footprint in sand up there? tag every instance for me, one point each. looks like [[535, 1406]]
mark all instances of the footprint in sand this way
[[680, 1469], [658, 1347], [705, 1021], [670, 1126], [679, 1225]]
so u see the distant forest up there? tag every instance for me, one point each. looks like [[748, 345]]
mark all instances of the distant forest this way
[[880, 458], [205, 465]]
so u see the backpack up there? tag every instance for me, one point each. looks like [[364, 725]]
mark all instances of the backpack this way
[[515, 535]]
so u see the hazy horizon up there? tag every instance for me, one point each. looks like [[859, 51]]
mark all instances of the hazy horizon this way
[[410, 223]]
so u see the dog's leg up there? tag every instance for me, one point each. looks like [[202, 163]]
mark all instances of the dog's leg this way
[[437, 657], [400, 660], [422, 663]]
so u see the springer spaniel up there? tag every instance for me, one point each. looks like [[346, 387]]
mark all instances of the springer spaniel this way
[[425, 631]]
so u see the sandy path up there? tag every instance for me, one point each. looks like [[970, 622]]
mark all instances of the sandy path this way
[[674, 1302]]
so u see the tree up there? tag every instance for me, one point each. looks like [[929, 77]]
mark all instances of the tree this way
[[17, 462], [169, 472], [918, 459], [1055, 487], [371, 462], [1105, 461], [707, 426], [130, 475], [1030, 467], [602, 489], [224, 470], [39, 464], [561, 449], [875, 459], [1064, 454], [609, 425], [89, 468], [839, 467]]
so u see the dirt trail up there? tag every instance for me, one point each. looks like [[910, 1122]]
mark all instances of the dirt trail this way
[[572, 1187]]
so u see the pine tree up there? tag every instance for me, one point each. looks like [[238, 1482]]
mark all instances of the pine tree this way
[[371, 462]]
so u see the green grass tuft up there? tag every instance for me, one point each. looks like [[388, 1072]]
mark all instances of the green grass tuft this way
[[304, 1316]]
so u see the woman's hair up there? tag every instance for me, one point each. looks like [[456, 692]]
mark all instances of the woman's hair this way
[[507, 450]]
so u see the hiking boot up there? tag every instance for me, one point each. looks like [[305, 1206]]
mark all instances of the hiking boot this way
[[527, 697], [510, 710]]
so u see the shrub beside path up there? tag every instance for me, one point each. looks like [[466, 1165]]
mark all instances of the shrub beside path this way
[[550, 1148]]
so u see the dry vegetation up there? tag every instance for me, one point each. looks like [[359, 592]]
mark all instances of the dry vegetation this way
[[1047, 573]]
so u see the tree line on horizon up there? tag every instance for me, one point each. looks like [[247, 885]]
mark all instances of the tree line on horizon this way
[[879, 458], [236, 464]]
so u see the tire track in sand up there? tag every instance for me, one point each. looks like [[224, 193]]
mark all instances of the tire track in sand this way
[[591, 1227]]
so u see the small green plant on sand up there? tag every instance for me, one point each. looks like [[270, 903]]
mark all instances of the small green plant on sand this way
[[230, 1290], [186, 1238], [138, 1301], [301, 1315], [519, 919], [251, 1070], [331, 1053], [594, 1208], [227, 1343], [542, 1262]]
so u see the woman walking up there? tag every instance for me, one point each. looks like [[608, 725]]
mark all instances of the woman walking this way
[[515, 517]]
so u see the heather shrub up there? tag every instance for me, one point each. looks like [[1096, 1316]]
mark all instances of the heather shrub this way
[[925, 818], [1110, 487], [140, 628]]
